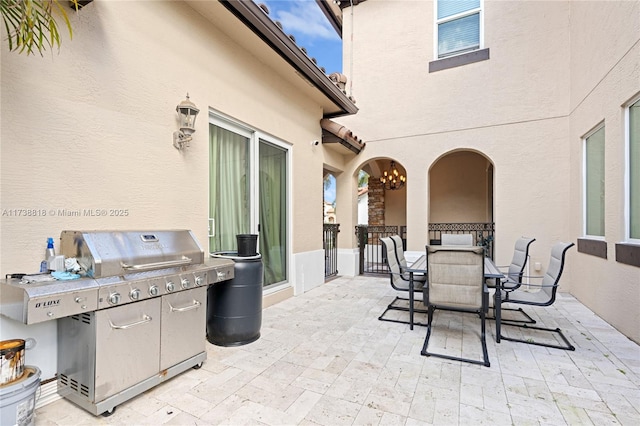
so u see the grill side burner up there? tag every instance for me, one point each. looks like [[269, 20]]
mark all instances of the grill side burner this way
[[138, 319]]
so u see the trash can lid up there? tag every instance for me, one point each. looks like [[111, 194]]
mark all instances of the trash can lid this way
[[233, 255]]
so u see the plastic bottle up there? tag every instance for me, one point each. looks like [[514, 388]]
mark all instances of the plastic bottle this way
[[49, 254]]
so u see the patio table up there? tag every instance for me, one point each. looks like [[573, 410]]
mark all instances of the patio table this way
[[491, 271], [417, 267]]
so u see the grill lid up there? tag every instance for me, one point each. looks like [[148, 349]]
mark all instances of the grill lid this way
[[109, 253]]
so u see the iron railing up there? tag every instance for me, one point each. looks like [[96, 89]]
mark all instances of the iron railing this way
[[330, 245], [371, 255], [483, 233]]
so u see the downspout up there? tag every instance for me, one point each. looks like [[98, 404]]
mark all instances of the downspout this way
[[351, 54]]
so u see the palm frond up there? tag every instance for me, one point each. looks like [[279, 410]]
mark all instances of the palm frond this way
[[31, 25]]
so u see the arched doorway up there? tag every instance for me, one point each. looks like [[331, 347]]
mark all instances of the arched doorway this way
[[386, 213], [461, 197]]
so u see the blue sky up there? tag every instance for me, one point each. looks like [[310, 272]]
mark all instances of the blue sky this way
[[311, 29], [330, 191]]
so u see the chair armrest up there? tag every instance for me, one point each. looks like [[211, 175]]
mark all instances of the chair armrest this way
[[509, 285], [528, 285], [514, 278]]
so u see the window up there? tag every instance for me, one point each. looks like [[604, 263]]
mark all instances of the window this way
[[594, 183], [633, 172], [458, 26], [249, 194]]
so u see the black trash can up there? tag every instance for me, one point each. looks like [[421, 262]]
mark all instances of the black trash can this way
[[234, 307]]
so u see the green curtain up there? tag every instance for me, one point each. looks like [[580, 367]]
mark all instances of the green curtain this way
[[595, 183], [634, 170], [273, 212], [229, 188]]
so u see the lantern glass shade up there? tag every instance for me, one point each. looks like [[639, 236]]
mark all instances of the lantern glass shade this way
[[187, 113]]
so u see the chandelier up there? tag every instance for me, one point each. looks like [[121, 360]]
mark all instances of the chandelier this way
[[392, 179]]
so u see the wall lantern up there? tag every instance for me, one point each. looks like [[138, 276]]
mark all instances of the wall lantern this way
[[187, 113], [392, 179]]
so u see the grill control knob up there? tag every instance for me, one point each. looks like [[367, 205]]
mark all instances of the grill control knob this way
[[185, 283], [134, 294], [170, 286], [199, 280], [222, 275], [114, 298], [153, 290]]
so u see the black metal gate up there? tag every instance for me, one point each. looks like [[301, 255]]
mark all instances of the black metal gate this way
[[371, 255], [330, 245]]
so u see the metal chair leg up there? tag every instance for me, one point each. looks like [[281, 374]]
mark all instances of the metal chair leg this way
[[528, 319], [392, 307], [567, 347], [483, 340]]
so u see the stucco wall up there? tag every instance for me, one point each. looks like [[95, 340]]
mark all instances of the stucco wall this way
[[458, 189], [90, 128], [525, 79], [605, 76], [512, 109]]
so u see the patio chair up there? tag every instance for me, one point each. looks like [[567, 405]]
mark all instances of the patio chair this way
[[456, 239], [514, 274], [456, 283], [400, 282], [397, 241], [544, 296]]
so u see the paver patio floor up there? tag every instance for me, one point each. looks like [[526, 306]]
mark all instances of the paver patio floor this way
[[323, 358]]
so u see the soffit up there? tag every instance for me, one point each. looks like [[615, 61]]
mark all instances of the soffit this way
[[251, 28]]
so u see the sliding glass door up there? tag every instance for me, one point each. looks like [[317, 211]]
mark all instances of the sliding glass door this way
[[273, 211], [248, 194]]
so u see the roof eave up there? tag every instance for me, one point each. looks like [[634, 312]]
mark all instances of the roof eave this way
[[335, 133], [259, 22], [333, 12]]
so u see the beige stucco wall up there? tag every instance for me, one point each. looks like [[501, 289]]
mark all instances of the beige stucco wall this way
[[458, 189], [91, 127], [511, 109], [556, 69], [605, 76]]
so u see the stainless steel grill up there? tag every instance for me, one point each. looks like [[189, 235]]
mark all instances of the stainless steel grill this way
[[137, 319]]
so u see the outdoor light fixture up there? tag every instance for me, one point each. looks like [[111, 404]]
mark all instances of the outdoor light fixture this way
[[392, 179], [187, 113]]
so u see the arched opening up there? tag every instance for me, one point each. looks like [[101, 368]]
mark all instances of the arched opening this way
[[385, 212], [363, 197], [330, 226], [329, 198], [461, 197]]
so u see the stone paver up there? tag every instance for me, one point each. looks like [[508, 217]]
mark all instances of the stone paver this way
[[323, 358]]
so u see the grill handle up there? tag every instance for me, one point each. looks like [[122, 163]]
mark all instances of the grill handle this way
[[195, 305], [157, 265], [145, 319]]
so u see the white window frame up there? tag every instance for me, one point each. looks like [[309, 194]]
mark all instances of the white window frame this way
[[437, 22], [600, 126], [627, 172]]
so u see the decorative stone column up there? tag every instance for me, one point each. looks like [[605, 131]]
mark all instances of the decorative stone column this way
[[376, 202]]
